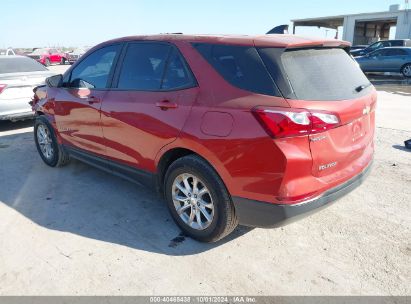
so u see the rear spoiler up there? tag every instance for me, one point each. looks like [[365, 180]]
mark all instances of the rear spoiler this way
[[281, 29]]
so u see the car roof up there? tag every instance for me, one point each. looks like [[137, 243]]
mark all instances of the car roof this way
[[274, 40]]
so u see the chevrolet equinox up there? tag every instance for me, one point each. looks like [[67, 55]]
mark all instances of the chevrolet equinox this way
[[251, 130]]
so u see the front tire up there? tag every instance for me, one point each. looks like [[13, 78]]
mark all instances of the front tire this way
[[62, 61], [47, 62], [198, 200], [47, 146], [406, 70]]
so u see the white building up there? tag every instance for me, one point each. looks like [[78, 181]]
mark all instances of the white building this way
[[367, 27]]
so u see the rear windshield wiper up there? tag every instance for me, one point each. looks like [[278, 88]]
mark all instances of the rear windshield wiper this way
[[362, 87]]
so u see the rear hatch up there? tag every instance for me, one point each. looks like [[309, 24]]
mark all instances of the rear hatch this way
[[329, 84]]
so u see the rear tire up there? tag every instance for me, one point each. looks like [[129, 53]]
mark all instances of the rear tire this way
[[50, 151], [198, 200], [63, 61], [406, 70]]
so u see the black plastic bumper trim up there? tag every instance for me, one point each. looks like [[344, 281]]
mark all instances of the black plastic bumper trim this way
[[268, 215]]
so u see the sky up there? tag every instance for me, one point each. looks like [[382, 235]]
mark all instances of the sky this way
[[72, 23]]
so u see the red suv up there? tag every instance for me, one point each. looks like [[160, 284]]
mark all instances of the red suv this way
[[232, 129]]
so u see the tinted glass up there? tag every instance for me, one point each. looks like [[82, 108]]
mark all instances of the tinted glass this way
[[241, 66], [397, 43], [176, 74], [94, 70], [19, 64], [320, 74], [143, 66]]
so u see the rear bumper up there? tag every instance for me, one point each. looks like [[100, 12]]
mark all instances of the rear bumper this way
[[267, 215]]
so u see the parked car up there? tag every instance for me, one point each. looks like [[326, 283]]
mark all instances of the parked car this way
[[358, 47], [381, 44], [47, 56], [7, 52], [232, 129], [392, 59], [18, 77], [76, 54]]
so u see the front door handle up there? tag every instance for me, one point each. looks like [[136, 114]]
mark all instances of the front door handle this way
[[166, 104], [93, 99]]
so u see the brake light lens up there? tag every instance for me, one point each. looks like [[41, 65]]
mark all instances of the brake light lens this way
[[2, 87], [279, 123]]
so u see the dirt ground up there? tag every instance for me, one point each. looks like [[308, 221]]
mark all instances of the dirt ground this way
[[77, 230]]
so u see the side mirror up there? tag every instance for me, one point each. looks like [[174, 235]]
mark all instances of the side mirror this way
[[54, 81]]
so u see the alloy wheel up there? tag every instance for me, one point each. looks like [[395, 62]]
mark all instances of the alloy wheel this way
[[45, 141], [192, 201], [407, 70]]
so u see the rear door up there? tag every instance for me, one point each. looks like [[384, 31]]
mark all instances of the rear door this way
[[78, 103], [149, 103]]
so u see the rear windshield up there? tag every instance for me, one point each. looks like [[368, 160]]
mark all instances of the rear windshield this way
[[19, 65], [318, 74], [241, 66]]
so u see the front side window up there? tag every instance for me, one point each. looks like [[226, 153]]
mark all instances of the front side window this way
[[397, 43], [143, 66], [93, 72]]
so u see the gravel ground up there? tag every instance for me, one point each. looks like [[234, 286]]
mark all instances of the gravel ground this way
[[77, 230]]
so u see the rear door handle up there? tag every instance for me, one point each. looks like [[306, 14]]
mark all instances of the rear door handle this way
[[166, 104], [93, 99]]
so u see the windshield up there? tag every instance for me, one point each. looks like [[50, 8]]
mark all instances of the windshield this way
[[374, 46], [319, 74], [19, 65], [40, 52]]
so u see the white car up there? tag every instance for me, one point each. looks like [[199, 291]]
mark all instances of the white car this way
[[19, 75]]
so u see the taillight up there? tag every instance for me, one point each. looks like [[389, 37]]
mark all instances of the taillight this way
[[2, 87], [295, 122]]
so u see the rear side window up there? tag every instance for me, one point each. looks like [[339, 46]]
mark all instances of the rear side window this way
[[241, 66], [319, 74], [19, 65], [176, 75], [143, 66]]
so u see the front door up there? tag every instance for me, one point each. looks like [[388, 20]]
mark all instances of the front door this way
[[78, 102]]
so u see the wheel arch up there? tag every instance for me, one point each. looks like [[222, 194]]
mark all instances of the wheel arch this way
[[170, 154]]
